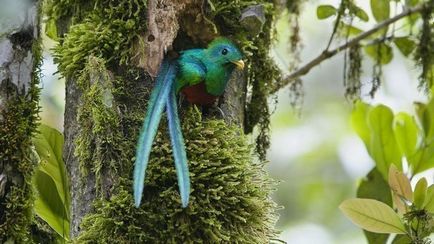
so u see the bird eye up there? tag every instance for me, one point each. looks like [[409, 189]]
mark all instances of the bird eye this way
[[224, 51]]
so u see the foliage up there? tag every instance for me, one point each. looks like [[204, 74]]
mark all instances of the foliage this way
[[414, 216], [393, 140], [379, 45], [52, 203]]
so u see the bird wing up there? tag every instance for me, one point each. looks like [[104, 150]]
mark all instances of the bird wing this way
[[191, 70], [156, 104], [178, 148]]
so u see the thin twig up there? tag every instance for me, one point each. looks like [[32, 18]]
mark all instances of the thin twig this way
[[326, 54]]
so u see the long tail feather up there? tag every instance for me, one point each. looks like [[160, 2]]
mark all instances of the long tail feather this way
[[178, 148], [156, 105]]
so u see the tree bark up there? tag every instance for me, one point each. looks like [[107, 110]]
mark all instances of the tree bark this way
[[20, 56]]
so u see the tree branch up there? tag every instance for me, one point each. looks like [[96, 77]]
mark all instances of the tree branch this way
[[326, 54]]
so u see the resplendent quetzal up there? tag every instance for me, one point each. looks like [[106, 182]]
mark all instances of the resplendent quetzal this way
[[201, 75]]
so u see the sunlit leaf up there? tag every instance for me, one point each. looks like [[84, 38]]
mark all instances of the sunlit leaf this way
[[53, 200], [424, 158], [325, 11], [373, 186], [49, 206], [404, 45], [380, 52], [429, 199], [360, 13], [420, 193], [401, 188], [383, 146], [372, 215], [380, 9], [412, 3], [359, 122], [406, 133], [401, 239], [49, 146], [51, 29], [349, 30]]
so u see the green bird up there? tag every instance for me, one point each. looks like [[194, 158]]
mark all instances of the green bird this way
[[201, 75]]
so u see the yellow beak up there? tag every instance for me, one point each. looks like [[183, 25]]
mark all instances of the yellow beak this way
[[239, 64]]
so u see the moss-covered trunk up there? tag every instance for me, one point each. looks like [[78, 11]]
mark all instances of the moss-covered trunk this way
[[20, 58], [110, 52]]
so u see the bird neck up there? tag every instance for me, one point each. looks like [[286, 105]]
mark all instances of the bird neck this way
[[217, 77]]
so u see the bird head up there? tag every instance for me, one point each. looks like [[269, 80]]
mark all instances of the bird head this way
[[223, 52]]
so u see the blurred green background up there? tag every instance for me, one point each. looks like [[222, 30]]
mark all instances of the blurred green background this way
[[314, 154]]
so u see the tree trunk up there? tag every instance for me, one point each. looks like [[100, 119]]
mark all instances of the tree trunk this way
[[108, 58], [20, 57]]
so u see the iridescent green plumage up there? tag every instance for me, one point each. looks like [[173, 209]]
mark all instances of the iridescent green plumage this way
[[201, 75]]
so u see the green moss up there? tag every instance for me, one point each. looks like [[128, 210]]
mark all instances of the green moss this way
[[19, 122], [229, 200], [262, 71], [101, 143], [108, 31]]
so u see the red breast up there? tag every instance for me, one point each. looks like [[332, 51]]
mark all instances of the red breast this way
[[197, 94]]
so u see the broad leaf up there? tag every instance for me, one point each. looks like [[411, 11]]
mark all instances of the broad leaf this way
[[49, 206], [49, 146], [405, 45], [412, 3], [51, 29], [424, 158], [380, 9], [360, 13], [359, 122], [401, 239], [406, 133], [429, 199], [349, 30], [383, 147], [420, 193], [325, 11], [401, 188], [372, 215], [382, 52], [373, 186], [53, 201]]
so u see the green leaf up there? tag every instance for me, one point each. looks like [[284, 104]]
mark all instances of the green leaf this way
[[406, 133], [380, 9], [401, 189], [424, 158], [383, 146], [404, 45], [373, 186], [359, 122], [372, 215], [51, 179], [360, 13], [325, 11], [349, 30], [401, 239], [49, 146], [51, 29], [382, 52], [412, 3], [49, 206], [420, 193], [429, 199]]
